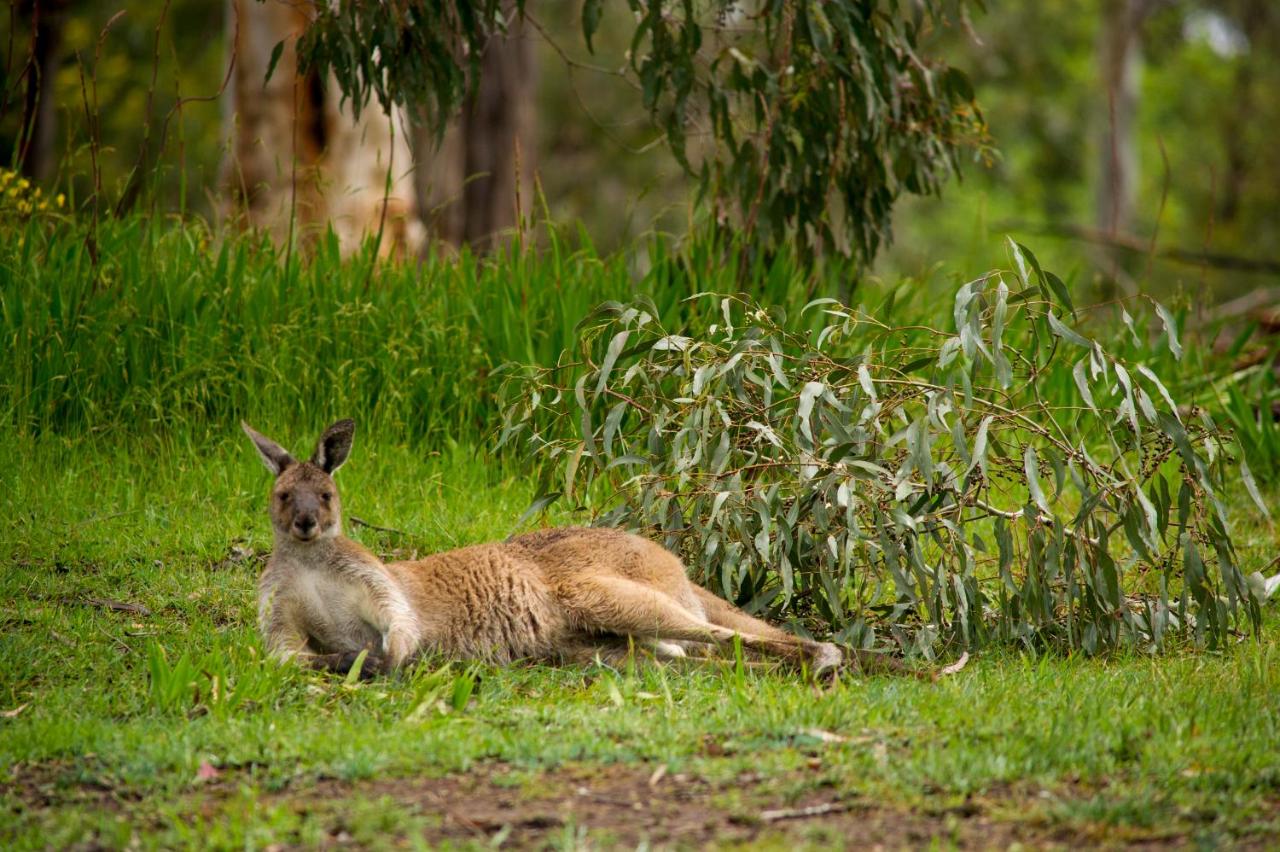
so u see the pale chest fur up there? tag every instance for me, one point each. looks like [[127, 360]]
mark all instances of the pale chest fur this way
[[338, 604]]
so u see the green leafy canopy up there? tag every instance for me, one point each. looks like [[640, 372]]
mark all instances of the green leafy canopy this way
[[802, 120]]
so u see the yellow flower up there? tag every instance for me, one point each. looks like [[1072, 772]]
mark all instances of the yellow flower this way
[[61, 199]]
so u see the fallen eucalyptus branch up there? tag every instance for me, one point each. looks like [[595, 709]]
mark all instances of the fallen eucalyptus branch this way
[[849, 473]]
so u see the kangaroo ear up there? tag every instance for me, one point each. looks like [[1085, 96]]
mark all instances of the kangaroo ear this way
[[334, 446], [274, 456]]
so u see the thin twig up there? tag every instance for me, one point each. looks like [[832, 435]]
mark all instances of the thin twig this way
[[119, 606], [31, 74], [569, 60], [360, 522], [1164, 197], [1203, 258], [134, 185], [572, 65], [97, 519], [626, 398], [8, 58], [1208, 229], [788, 20]]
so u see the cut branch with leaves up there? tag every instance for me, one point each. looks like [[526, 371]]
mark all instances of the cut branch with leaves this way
[[1006, 481]]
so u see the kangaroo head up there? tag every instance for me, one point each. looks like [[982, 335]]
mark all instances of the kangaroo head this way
[[304, 499]]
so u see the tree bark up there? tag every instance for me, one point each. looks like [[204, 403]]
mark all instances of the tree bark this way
[[1235, 135], [38, 150], [1120, 62], [297, 162], [474, 184]]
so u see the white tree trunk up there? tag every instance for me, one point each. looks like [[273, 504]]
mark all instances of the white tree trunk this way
[[295, 163]]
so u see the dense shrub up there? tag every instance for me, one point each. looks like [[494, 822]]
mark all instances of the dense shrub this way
[[1006, 479]]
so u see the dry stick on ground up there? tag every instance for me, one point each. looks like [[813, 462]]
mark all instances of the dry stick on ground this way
[[801, 813], [119, 606]]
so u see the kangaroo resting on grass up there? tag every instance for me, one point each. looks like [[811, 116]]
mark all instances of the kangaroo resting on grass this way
[[554, 594]]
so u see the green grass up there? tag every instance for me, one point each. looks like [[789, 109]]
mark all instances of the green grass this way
[[107, 748], [143, 327]]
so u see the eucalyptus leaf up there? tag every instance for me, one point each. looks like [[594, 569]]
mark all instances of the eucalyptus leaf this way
[[1082, 383], [1251, 486], [1170, 330], [611, 357], [1066, 332], [1031, 465]]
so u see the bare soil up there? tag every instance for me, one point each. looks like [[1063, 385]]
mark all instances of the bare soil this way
[[623, 806]]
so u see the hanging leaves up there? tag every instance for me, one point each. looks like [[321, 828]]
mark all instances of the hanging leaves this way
[[821, 114], [419, 54]]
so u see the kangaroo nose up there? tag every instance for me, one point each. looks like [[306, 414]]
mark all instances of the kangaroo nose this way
[[304, 524]]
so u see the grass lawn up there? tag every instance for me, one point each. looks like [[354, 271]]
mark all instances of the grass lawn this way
[[127, 573]]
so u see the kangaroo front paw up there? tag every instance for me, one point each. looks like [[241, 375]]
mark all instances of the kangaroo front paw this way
[[667, 650], [373, 665]]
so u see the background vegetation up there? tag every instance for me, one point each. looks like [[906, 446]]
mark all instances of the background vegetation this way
[[1204, 163], [139, 708]]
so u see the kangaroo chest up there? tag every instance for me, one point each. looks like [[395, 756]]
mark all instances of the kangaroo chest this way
[[337, 613]]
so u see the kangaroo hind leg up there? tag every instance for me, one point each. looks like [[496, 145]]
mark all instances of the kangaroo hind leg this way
[[624, 607], [720, 611]]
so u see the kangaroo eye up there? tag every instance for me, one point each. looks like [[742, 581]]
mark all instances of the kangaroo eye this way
[[284, 496], [326, 496]]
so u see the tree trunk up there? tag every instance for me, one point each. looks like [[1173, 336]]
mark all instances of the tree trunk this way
[[38, 150], [1120, 63], [474, 184], [1235, 136], [295, 161]]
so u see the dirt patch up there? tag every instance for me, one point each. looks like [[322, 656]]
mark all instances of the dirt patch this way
[[56, 783], [625, 806], [606, 806]]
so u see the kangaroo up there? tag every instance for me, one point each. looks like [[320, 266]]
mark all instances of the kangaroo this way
[[557, 594]]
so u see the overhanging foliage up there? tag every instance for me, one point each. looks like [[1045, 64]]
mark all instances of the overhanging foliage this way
[[802, 120]]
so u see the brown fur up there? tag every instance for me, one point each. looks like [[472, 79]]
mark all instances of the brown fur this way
[[553, 594]]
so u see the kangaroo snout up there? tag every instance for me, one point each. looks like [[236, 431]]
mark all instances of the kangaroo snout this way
[[304, 527]]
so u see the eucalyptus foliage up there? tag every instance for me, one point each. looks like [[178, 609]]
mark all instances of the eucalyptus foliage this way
[[816, 115], [423, 54], [1004, 480]]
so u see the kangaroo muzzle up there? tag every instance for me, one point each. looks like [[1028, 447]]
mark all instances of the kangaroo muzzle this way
[[304, 527]]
